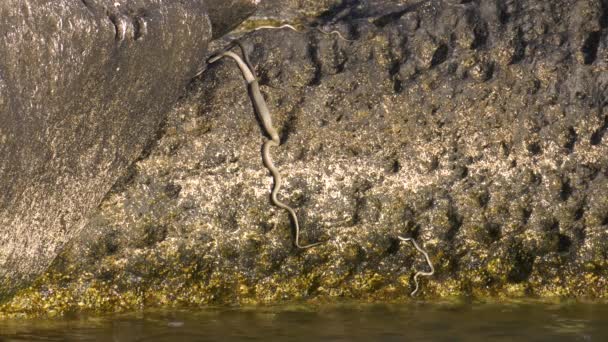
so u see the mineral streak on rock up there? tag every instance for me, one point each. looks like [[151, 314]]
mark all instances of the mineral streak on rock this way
[[477, 127], [84, 86]]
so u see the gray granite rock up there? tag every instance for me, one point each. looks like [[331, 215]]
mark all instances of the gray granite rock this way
[[84, 86]]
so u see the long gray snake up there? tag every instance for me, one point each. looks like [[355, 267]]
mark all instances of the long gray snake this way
[[264, 115]]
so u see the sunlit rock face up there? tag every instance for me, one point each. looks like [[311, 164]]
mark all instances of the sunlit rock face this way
[[477, 127], [301, 10], [225, 15], [84, 87]]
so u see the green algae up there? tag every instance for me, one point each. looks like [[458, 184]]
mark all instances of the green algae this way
[[175, 279]]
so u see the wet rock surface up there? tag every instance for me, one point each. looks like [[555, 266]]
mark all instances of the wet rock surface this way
[[84, 86], [476, 127]]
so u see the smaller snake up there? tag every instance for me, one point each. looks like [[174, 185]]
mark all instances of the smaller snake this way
[[262, 109], [268, 27], [428, 261]]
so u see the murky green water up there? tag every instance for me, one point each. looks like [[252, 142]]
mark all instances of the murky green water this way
[[412, 322]]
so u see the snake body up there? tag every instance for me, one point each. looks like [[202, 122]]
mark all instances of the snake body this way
[[277, 186], [291, 27], [258, 100], [264, 114], [428, 261]]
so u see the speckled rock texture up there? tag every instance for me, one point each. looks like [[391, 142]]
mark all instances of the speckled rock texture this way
[[476, 127], [294, 10], [225, 15], [84, 86]]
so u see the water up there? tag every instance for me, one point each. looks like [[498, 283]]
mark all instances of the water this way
[[411, 322]]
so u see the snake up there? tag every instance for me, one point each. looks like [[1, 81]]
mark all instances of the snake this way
[[268, 27], [264, 114], [264, 27], [428, 261], [261, 108]]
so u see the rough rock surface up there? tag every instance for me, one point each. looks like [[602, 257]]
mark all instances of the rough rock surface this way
[[225, 15], [295, 10], [84, 86], [477, 127]]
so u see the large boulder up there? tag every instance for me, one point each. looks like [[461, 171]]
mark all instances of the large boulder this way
[[84, 86]]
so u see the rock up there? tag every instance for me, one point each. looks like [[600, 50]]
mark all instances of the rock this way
[[225, 15], [325, 12], [293, 10], [473, 126], [84, 87]]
